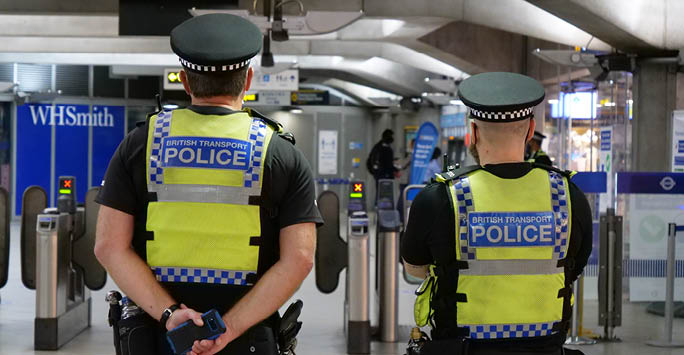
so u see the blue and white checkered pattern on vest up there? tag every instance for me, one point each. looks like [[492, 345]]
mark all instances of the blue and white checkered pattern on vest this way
[[201, 275], [464, 197], [257, 137], [559, 203], [499, 331], [162, 128]]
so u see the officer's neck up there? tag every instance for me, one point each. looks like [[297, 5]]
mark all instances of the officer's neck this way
[[229, 102], [500, 156]]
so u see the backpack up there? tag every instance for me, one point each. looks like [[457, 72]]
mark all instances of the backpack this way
[[373, 160]]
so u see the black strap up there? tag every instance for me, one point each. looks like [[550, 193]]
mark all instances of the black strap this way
[[564, 173], [271, 122], [464, 170]]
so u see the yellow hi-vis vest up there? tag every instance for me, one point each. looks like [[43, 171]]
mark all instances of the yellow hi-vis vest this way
[[206, 173], [511, 235]]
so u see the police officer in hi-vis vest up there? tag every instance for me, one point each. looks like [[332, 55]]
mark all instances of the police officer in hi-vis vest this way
[[499, 243], [534, 153], [209, 206]]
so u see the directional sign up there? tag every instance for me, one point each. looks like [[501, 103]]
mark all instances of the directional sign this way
[[650, 183], [172, 79]]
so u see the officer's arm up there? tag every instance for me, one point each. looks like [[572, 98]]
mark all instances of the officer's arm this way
[[297, 249], [419, 271], [129, 271]]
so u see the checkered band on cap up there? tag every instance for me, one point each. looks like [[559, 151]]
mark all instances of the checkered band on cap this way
[[502, 116], [213, 68]]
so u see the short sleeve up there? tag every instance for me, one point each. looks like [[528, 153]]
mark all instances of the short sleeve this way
[[297, 202], [426, 226], [118, 188]]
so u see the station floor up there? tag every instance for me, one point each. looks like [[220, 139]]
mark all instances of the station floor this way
[[322, 333]]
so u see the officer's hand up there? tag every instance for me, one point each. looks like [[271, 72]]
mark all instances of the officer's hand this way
[[183, 314], [208, 347]]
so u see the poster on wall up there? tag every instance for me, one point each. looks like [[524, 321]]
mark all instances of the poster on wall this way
[[426, 141], [649, 216], [55, 140], [678, 141], [327, 152]]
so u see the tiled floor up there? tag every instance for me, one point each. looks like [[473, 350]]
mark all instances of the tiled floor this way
[[322, 316]]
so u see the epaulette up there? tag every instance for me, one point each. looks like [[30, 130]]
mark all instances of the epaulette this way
[[566, 173], [288, 136], [455, 174], [277, 127]]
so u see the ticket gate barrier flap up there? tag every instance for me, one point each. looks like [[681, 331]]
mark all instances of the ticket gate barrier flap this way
[[95, 276], [34, 201], [331, 250], [4, 236]]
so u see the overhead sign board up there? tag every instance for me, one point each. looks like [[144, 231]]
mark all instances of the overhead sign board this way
[[172, 79], [310, 97], [287, 80]]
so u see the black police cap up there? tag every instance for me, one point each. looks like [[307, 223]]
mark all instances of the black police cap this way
[[538, 136], [216, 42], [501, 97]]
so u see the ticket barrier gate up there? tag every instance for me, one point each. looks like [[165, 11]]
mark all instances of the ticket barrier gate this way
[[4, 236], [387, 270], [58, 261], [333, 254]]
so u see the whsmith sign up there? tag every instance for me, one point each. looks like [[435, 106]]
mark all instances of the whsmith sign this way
[[69, 115], [64, 139]]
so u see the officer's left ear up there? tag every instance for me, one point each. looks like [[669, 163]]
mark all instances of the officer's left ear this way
[[248, 82], [530, 130], [184, 79]]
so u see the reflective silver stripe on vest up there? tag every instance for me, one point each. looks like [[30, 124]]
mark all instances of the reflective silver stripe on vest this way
[[202, 275], [512, 267], [203, 193], [162, 128], [464, 200], [503, 331], [559, 202]]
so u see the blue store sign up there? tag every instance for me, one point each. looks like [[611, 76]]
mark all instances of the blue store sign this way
[[65, 139], [426, 141]]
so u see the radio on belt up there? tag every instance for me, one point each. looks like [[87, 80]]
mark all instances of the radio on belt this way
[[66, 202]]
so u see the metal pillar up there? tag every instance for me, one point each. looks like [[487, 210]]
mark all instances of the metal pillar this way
[[669, 291], [575, 338], [358, 284], [610, 274]]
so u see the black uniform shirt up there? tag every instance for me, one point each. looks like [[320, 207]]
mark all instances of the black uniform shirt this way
[[287, 179], [430, 232]]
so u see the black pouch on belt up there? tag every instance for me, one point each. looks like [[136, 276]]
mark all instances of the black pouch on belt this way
[[138, 335], [445, 347], [258, 340]]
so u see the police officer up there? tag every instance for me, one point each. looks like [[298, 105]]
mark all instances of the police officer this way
[[534, 153], [209, 207], [501, 242]]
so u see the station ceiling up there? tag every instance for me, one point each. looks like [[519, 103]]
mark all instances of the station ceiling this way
[[392, 46]]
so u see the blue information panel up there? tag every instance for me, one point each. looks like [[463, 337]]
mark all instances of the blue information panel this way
[[73, 127], [71, 146], [426, 141], [34, 140], [106, 139], [591, 182], [650, 183]]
